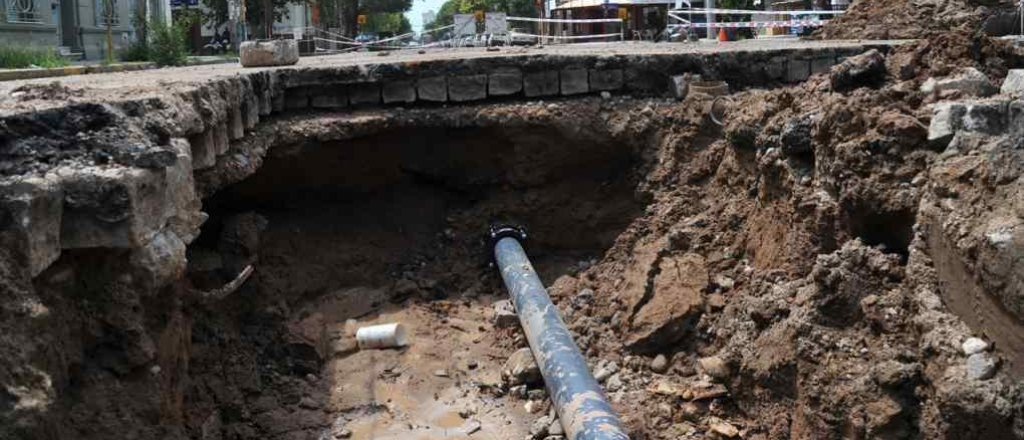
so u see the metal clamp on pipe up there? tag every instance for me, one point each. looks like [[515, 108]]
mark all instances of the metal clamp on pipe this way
[[582, 406]]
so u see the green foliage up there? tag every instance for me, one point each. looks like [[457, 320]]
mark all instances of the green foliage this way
[[387, 24], [137, 51], [168, 45], [20, 57], [216, 12]]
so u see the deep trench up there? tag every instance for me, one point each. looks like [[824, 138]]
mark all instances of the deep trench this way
[[357, 229]]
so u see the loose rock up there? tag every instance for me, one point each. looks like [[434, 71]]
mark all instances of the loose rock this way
[[981, 366], [973, 346], [520, 368], [660, 364]]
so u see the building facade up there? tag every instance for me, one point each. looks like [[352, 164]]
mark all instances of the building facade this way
[[73, 26]]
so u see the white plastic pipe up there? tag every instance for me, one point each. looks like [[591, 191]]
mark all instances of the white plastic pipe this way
[[382, 336]]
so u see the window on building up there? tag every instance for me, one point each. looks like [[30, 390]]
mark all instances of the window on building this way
[[22, 11], [106, 11]]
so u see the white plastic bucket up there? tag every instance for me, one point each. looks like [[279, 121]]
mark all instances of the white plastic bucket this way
[[382, 336]]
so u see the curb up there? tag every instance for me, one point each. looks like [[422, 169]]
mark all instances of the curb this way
[[21, 74]]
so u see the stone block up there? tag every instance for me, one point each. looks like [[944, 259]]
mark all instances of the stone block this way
[[159, 262], [269, 53], [574, 81], [944, 123], [237, 127], [277, 103], [971, 81], [605, 80], [296, 98], [680, 86], [822, 64], [251, 112], [31, 210], [540, 84], [1014, 83], [505, 82], [432, 89], [464, 88], [364, 94], [985, 117], [396, 92], [330, 97], [775, 69], [112, 207], [204, 149], [186, 216], [221, 141], [799, 70]]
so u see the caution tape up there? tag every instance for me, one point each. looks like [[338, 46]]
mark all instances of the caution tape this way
[[754, 12], [581, 20], [780, 24]]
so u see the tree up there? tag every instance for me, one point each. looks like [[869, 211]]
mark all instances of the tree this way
[[351, 9], [514, 8], [387, 24], [216, 13]]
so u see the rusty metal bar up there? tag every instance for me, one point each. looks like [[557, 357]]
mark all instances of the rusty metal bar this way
[[581, 405]]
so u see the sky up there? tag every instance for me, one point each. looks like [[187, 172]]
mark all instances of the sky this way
[[415, 15]]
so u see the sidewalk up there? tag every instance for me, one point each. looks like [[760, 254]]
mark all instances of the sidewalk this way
[[94, 67]]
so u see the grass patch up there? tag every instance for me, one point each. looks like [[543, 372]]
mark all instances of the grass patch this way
[[20, 57]]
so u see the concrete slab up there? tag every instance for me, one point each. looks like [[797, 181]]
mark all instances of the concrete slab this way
[[574, 81], [540, 84], [467, 88], [822, 64]]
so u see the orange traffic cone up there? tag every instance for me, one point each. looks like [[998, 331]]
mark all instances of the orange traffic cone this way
[[722, 37]]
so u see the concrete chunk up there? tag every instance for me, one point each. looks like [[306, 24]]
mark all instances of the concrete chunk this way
[[269, 53], [605, 80], [822, 64], [221, 142], [971, 81], [574, 81], [112, 207], [945, 121], [1014, 83], [398, 92], [160, 261], [432, 89], [467, 88], [30, 217], [540, 84], [505, 82]]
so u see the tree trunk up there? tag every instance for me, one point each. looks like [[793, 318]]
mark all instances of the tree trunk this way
[[110, 30], [349, 16]]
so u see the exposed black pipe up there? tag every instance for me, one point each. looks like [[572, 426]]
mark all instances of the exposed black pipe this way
[[581, 405]]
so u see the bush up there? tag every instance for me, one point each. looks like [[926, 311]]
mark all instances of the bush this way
[[20, 57], [137, 51], [168, 45]]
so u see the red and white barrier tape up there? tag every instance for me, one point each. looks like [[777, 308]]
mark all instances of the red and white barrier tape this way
[[758, 24]]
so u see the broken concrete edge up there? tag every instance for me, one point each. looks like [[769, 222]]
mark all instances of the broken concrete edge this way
[[210, 117], [56, 72]]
